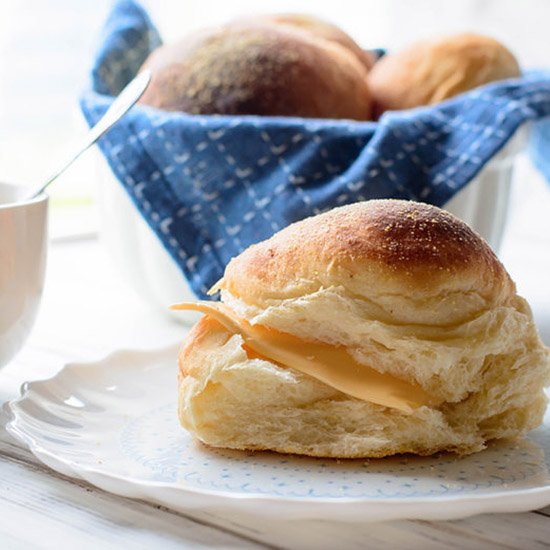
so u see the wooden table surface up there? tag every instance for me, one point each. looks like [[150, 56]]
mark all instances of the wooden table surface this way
[[88, 311]]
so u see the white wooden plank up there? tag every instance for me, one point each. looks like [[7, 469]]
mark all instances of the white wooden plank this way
[[519, 531], [526, 530], [490, 531], [49, 512]]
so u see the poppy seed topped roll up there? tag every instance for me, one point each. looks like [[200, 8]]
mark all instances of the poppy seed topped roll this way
[[377, 328]]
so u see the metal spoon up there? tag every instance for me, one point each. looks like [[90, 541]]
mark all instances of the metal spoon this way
[[120, 106]]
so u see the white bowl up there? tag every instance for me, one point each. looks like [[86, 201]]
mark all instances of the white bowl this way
[[483, 203], [148, 267], [23, 246]]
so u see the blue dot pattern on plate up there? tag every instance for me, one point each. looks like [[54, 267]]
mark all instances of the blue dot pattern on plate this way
[[156, 441]]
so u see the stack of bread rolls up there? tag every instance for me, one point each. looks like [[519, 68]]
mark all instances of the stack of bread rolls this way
[[298, 65]]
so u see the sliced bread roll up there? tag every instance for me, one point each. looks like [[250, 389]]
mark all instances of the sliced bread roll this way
[[411, 299]]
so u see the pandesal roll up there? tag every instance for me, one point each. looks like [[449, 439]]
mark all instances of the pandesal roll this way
[[429, 71], [258, 68], [377, 328], [319, 28]]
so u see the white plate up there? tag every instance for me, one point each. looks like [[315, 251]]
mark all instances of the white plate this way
[[114, 424]]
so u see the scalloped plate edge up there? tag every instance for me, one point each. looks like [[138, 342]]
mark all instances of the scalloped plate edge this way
[[184, 499]]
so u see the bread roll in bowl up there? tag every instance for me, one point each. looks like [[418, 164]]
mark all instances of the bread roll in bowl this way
[[405, 290], [258, 69], [430, 71], [319, 28]]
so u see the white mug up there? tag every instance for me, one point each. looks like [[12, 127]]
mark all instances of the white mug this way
[[23, 246]]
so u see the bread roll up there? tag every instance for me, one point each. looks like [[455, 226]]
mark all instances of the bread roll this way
[[259, 69], [320, 29], [406, 289], [430, 71]]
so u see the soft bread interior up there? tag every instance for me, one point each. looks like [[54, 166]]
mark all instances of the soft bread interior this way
[[447, 360], [230, 400]]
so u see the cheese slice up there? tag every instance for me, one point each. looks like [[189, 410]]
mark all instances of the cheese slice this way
[[330, 364]]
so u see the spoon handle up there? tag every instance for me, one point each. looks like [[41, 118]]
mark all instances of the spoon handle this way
[[120, 106]]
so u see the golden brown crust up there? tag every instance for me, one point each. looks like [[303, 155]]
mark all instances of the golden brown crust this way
[[261, 69], [430, 71], [379, 246], [321, 29]]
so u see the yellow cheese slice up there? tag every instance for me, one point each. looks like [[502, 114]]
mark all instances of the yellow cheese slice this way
[[330, 364]]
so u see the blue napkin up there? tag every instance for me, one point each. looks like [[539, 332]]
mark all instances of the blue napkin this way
[[540, 146], [209, 186]]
